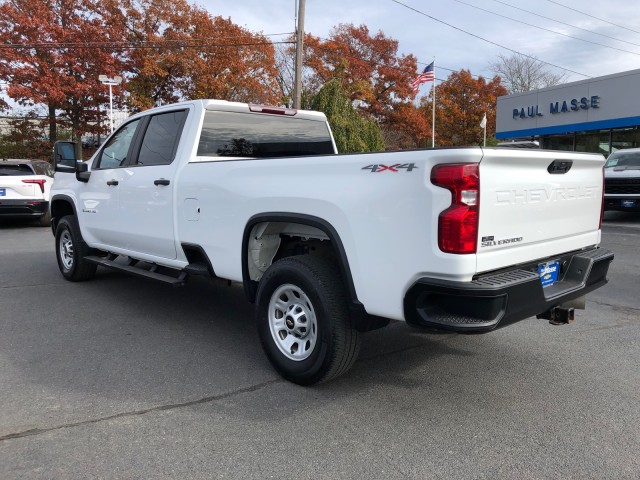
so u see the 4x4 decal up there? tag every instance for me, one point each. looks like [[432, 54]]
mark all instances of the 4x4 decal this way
[[377, 168]]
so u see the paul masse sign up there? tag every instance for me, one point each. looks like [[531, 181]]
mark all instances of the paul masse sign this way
[[564, 106], [611, 101]]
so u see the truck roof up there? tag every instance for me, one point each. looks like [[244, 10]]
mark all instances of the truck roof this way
[[225, 106]]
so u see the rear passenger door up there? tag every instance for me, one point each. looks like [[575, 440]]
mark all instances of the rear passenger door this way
[[146, 192]]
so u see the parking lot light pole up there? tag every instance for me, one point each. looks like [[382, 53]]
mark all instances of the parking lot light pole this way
[[111, 82]]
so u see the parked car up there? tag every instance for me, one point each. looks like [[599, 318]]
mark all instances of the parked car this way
[[622, 180], [25, 186]]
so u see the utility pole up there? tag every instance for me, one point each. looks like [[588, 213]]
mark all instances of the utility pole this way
[[297, 90]]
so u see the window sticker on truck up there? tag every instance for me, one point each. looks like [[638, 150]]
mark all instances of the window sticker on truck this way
[[390, 168], [490, 242]]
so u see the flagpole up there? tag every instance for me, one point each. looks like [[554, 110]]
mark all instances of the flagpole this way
[[433, 120]]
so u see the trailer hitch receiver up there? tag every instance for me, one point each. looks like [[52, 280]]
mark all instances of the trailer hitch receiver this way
[[558, 315]]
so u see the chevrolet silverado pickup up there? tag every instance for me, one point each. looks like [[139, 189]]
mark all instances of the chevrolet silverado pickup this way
[[622, 181], [328, 246]]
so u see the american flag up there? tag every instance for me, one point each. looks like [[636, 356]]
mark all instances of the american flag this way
[[427, 75]]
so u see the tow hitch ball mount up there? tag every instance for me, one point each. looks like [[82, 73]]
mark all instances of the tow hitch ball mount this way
[[558, 315]]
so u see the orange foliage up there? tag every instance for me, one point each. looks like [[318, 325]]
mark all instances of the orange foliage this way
[[368, 64], [192, 55], [63, 78], [461, 102]]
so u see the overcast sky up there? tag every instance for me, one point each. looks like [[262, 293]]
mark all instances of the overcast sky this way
[[453, 49]]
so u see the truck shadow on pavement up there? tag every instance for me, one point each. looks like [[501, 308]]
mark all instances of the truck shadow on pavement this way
[[134, 340]]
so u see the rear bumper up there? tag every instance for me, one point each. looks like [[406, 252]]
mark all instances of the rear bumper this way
[[500, 298], [23, 208]]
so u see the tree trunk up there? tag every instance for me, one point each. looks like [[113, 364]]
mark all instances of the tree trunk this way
[[53, 130]]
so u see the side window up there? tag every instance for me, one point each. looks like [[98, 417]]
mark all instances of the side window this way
[[161, 138], [39, 168], [43, 168], [115, 152]]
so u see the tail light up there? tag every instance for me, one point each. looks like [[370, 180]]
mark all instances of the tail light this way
[[40, 182], [458, 224]]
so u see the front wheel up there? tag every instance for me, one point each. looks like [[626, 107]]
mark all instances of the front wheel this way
[[71, 250], [304, 322]]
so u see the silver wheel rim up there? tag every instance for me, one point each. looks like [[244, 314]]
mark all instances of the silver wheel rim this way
[[66, 250], [292, 322]]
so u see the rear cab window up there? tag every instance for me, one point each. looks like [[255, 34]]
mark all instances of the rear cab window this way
[[226, 135], [161, 138]]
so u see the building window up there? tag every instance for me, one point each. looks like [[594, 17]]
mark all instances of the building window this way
[[625, 138], [593, 142], [558, 142]]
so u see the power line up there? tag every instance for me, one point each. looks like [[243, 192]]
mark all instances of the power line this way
[[133, 46], [488, 41], [588, 15], [567, 24], [545, 29]]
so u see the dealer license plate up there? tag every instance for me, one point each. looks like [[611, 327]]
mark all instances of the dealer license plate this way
[[628, 203], [3, 192], [548, 273]]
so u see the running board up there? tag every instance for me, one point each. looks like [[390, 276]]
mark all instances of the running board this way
[[139, 272]]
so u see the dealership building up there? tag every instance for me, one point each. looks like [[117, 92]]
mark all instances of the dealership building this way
[[600, 115]]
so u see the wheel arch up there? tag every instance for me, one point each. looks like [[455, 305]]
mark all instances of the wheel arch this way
[[61, 205], [250, 286]]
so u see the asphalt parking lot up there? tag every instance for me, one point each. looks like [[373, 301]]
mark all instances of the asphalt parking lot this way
[[124, 378]]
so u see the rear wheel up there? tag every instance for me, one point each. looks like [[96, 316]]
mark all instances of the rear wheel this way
[[45, 220], [304, 322], [71, 250]]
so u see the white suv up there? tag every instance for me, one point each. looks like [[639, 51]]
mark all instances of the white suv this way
[[24, 189]]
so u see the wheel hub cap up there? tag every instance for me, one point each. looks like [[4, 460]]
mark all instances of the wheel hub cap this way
[[292, 322], [66, 250]]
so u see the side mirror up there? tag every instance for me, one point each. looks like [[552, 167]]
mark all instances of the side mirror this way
[[82, 172], [64, 156]]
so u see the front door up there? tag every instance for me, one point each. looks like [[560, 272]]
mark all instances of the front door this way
[[100, 197], [147, 191]]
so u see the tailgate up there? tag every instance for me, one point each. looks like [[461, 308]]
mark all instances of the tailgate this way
[[15, 188], [535, 204]]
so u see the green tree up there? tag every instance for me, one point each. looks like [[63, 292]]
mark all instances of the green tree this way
[[352, 132]]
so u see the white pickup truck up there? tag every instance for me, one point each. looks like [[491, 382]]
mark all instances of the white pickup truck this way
[[327, 245]]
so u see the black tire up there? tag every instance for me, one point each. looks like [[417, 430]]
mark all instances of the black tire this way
[[45, 220], [319, 299], [71, 250]]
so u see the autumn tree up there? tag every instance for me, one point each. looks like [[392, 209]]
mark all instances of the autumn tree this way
[[229, 62], [351, 130], [51, 56], [285, 66], [369, 65], [23, 137], [461, 102], [523, 73], [180, 51], [407, 127]]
